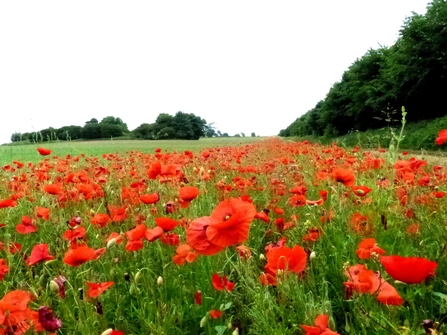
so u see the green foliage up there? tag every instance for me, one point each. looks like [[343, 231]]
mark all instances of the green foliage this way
[[186, 126], [16, 137], [69, 133], [91, 131], [411, 73], [418, 136]]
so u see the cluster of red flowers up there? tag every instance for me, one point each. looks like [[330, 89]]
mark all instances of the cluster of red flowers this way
[[141, 200]]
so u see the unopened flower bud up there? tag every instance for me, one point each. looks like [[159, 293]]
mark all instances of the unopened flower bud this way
[[261, 257], [312, 255], [111, 243], [137, 276], [160, 280], [107, 331], [203, 321], [54, 286], [235, 332]]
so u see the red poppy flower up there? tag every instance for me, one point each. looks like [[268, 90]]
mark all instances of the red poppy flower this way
[[117, 237], [262, 216], [75, 234], [388, 295], [16, 303], [361, 191], [363, 280], [80, 255], [243, 251], [96, 289], [215, 313], [359, 223], [134, 245], [39, 254], [343, 176], [44, 152], [53, 189], [198, 297], [117, 214], [197, 238], [136, 233], [100, 219], [284, 258], [222, 283], [183, 254], [230, 222], [297, 200], [170, 239], [27, 226], [7, 203], [188, 194], [267, 279], [313, 235], [149, 199], [367, 247], [442, 137], [154, 170], [153, 234], [410, 270], [3, 268], [166, 224], [43, 213], [321, 326]]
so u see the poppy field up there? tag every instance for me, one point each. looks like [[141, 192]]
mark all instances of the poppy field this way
[[268, 237]]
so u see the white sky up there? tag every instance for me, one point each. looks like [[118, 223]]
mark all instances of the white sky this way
[[247, 66]]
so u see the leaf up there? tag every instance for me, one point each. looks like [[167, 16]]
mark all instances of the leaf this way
[[221, 329], [441, 295], [226, 306]]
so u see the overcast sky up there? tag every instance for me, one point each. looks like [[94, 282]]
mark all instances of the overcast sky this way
[[247, 66]]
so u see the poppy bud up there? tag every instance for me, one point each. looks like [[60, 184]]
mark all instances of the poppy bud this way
[[198, 297], [312, 255], [111, 242], [235, 332], [261, 257], [107, 331], [137, 276], [160, 280], [203, 321], [54, 286], [133, 289]]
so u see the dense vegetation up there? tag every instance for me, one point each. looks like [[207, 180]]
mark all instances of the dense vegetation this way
[[266, 237], [411, 73], [185, 126]]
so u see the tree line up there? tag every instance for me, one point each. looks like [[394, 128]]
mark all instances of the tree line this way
[[371, 93], [182, 125]]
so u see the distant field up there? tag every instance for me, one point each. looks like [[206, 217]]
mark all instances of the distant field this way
[[28, 153]]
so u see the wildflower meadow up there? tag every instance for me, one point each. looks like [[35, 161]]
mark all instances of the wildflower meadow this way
[[268, 237]]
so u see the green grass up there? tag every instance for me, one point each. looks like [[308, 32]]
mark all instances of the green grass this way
[[28, 153]]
